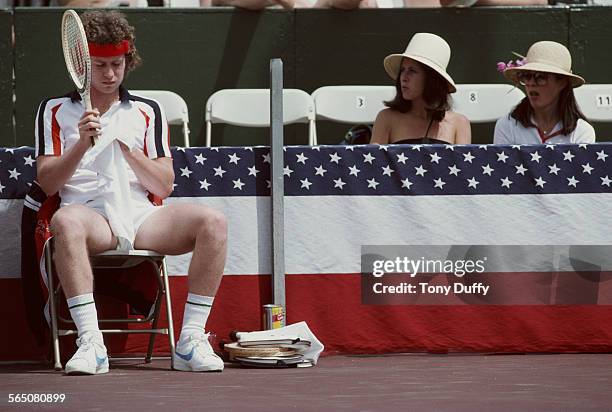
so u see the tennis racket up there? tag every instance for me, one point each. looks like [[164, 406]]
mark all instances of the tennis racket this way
[[76, 55]]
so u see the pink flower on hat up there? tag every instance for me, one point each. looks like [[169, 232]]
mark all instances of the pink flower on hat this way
[[502, 66]]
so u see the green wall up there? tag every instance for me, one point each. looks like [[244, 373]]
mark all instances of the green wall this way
[[195, 52], [7, 137]]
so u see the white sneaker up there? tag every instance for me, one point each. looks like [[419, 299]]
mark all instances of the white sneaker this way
[[90, 358], [195, 354]]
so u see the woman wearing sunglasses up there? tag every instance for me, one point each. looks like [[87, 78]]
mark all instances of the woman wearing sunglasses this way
[[549, 113]]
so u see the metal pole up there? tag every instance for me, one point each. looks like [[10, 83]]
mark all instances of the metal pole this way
[[277, 182]]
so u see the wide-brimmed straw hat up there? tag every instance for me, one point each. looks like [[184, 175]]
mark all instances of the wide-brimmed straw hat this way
[[428, 49], [548, 57]]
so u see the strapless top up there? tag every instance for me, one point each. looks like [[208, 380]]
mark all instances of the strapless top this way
[[420, 140]]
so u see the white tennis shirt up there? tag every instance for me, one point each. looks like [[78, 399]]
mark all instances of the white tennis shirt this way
[[132, 118]]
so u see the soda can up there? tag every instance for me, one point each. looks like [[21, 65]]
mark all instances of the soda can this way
[[273, 317]]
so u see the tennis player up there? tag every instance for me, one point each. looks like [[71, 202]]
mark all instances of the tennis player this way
[[82, 226]]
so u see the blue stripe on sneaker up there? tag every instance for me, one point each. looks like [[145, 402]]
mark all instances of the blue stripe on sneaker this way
[[186, 357]]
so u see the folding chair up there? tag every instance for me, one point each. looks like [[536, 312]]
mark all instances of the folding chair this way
[[482, 103], [182, 3], [251, 108], [350, 104], [595, 101], [174, 107], [115, 260]]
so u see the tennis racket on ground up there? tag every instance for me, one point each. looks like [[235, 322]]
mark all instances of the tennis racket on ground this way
[[76, 55]]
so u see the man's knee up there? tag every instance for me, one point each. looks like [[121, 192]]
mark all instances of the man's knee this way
[[213, 225], [65, 225]]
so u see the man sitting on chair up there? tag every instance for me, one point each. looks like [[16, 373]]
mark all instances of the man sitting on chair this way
[[93, 218]]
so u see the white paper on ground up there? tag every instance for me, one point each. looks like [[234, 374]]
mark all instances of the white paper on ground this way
[[299, 329]]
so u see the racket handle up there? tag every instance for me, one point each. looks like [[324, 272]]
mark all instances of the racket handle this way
[[87, 99]]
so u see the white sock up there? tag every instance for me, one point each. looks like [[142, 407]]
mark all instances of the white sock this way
[[84, 314], [197, 309]]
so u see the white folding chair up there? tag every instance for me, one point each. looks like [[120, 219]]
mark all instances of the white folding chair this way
[[350, 104], [174, 107], [595, 101], [114, 259], [181, 3], [482, 103], [251, 108]]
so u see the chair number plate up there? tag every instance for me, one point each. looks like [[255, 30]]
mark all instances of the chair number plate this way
[[473, 97], [603, 100]]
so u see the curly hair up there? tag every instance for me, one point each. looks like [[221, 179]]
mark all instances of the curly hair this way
[[111, 27]]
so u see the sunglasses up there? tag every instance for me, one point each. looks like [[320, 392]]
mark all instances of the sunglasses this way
[[539, 78]]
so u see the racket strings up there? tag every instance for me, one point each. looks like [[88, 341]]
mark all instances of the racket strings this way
[[76, 52]]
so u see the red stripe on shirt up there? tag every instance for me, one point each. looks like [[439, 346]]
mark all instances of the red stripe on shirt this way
[[55, 132], [147, 119]]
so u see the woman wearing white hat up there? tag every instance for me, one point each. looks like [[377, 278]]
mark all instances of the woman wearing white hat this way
[[549, 113], [420, 111]]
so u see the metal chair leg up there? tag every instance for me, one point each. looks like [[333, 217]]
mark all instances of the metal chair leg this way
[[169, 313], [52, 306], [156, 310]]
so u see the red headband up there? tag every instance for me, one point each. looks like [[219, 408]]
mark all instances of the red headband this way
[[109, 50]]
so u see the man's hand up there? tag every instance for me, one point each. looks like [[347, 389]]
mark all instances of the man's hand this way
[[90, 127]]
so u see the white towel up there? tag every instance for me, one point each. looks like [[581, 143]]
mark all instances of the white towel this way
[[107, 159]]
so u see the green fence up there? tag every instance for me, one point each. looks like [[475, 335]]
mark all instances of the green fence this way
[[198, 51], [7, 137]]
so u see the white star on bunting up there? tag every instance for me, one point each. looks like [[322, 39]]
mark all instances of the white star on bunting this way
[[29, 161], [554, 170], [568, 156], [420, 171], [238, 184], [354, 171], [253, 171], [186, 172], [439, 183], [233, 158], [540, 182], [367, 158], [339, 183], [219, 171], [571, 181], [305, 184], [501, 157], [454, 170], [320, 171], [335, 158], [473, 182], [204, 184], [200, 158], [520, 170], [387, 171], [301, 158]]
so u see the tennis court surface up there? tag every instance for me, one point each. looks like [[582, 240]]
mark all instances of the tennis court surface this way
[[453, 382]]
